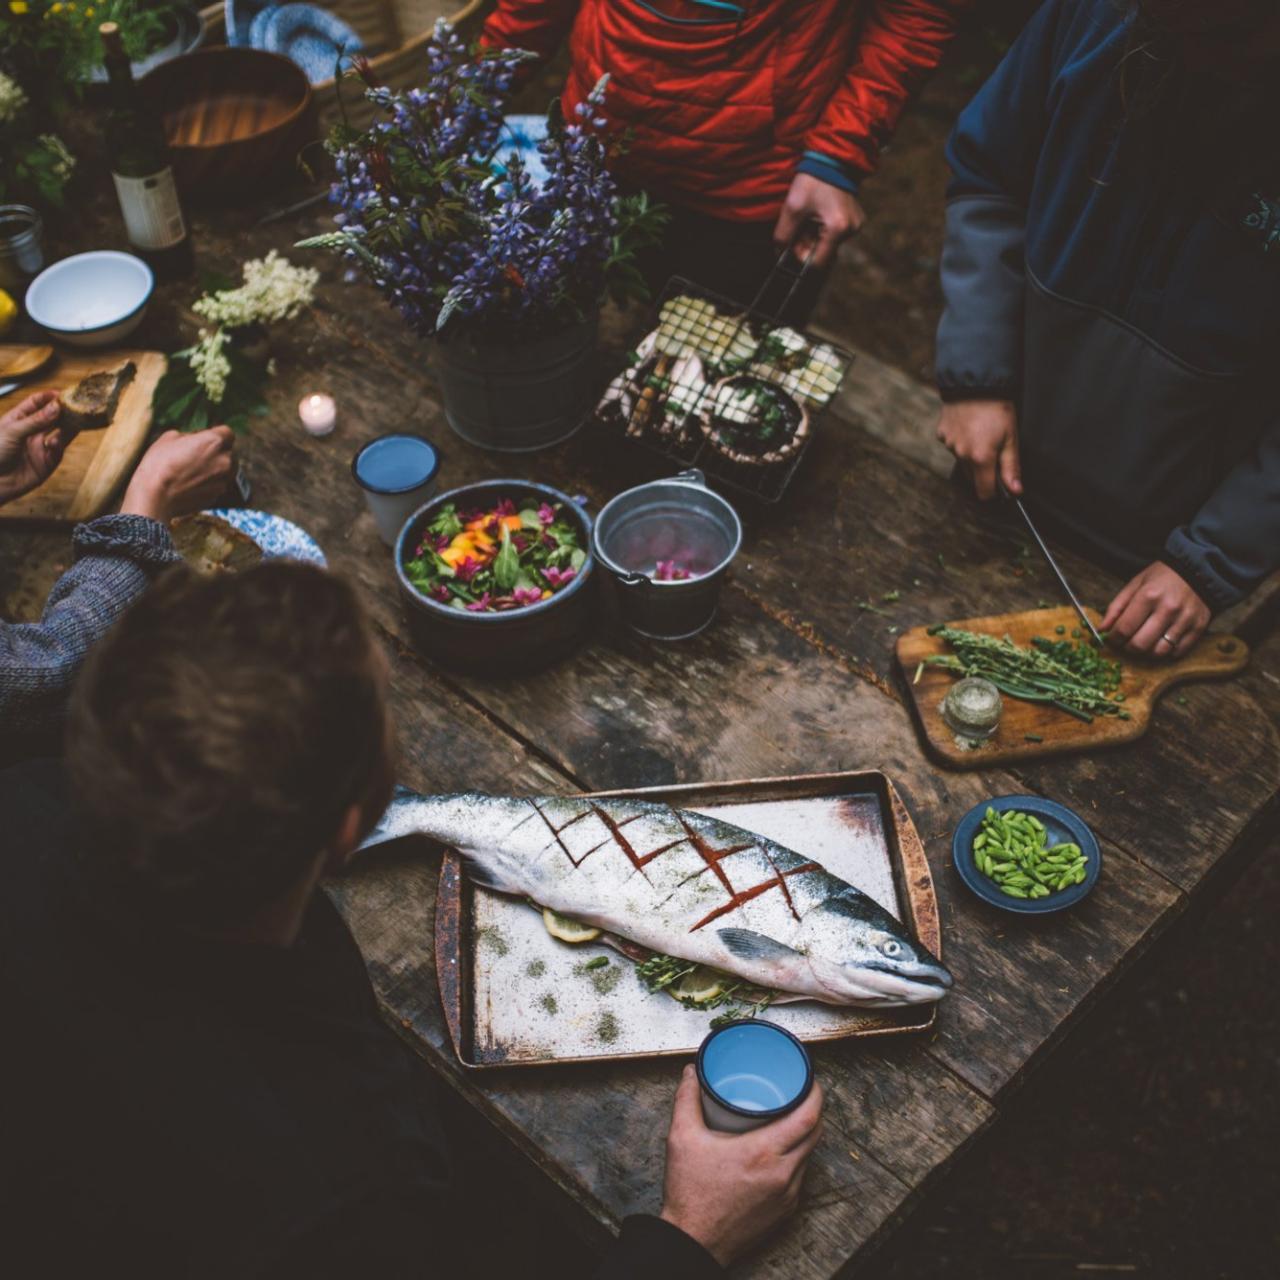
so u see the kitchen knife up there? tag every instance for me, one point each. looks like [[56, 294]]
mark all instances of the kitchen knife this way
[[1053, 564]]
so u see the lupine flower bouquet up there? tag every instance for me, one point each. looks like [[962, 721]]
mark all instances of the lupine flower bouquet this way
[[455, 233]]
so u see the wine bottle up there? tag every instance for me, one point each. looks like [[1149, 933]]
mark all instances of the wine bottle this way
[[139, 159]]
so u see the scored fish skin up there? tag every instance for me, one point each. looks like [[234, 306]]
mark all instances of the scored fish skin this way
[[682, 884]]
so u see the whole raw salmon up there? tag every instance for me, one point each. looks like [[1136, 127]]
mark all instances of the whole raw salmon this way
[[682, 884]]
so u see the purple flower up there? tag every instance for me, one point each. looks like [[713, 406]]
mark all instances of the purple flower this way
[[559, 577], [467, 568], [479, 606], [546, 515], [441, 593], [453, 233], [526, 595]]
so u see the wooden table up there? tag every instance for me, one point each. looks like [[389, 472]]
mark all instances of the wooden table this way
[[795, 677]]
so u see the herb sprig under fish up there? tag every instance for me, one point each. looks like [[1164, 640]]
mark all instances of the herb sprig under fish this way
[[682, 884]]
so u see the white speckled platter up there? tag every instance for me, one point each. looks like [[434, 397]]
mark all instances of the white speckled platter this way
[[513, 995]]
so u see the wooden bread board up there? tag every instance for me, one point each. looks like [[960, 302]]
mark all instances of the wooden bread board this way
[[97, 463], [1214, 657]]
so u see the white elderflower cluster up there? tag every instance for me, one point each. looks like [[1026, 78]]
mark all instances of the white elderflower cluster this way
[[12, 99], [210, 364], [64, 162], [274, 289]]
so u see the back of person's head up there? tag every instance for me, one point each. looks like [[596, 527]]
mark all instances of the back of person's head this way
[[222, 732]]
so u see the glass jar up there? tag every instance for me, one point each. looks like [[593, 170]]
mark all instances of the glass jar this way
[[21, 247]]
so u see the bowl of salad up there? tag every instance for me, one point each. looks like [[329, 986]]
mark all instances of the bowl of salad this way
[[497, 576]]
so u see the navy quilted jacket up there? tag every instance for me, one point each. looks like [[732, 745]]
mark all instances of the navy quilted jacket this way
[[1135, 322]]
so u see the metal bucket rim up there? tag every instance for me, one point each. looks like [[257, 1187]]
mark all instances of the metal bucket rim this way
[[619, 572], [774, 1113], [11, 246], [495, 618]]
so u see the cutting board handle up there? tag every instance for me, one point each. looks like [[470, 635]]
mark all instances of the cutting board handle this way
[[1215, 656]]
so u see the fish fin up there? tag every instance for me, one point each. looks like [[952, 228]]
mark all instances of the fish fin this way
[[746, 944], [482, 873], [397, 821]]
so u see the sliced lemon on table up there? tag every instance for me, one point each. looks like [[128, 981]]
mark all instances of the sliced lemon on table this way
[[698, 986], [568, 930], [8, 312]]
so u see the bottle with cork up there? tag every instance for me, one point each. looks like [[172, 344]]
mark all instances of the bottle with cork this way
[[139, 158]]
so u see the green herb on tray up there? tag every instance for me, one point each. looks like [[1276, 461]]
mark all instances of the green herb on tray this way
[[1011, 849], [1061, 674]]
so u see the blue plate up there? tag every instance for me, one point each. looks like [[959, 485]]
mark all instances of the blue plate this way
[[1061, 826], [280, 539]]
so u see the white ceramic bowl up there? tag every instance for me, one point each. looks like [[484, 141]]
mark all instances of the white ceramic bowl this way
[[91, 299]]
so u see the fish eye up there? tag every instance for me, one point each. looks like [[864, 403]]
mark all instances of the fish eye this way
[[891, 947]]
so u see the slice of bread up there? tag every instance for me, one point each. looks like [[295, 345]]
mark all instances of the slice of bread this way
[[209, 544], [91, 403]]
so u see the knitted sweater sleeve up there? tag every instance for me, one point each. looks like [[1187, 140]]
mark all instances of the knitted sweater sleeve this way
[[116, 557]]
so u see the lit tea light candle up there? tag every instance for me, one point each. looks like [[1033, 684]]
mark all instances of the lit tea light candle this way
[[319, 414]]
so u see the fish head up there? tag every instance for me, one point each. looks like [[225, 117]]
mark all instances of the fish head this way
[[859, 953]]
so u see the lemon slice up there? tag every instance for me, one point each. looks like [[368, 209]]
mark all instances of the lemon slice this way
[[698, 986], [8, 312], [567, 930]]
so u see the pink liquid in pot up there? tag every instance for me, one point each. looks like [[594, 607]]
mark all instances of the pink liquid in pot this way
[[668, 535]]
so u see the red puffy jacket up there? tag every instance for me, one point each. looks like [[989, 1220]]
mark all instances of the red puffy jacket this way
[[726, 101]]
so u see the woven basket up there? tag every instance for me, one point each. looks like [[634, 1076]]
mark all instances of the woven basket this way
[[394, 34]]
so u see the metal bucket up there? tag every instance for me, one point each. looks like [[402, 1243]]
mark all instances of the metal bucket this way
[[518, 397], [678, 520]]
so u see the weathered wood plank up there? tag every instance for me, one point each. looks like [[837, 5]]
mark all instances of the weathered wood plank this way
[[598, 1132], [772, 688], [880, 524], [752, 696]]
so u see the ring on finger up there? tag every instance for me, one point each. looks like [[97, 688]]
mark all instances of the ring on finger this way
[[1169, 640]]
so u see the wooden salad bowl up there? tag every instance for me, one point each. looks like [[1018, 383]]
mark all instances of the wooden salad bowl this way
[[235, 118]]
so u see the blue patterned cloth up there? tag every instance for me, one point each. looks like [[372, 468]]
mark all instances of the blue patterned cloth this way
[[116, 557], [522, 133], [310, 35]]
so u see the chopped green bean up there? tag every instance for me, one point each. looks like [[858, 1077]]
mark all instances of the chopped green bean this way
[[1012, 849]]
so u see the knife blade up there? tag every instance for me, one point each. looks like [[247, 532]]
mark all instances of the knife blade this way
[[6, 387], [1053, 564]]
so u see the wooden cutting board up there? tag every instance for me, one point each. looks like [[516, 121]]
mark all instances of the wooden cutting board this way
[[1215, 657], [98, 462]]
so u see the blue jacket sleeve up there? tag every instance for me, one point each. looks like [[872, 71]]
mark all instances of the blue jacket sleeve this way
[[116, 556], [1233, 542], [992, 154]]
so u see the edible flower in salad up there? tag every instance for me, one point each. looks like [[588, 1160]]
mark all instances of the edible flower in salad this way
[[559, 577], [672, 571], [495, 559]]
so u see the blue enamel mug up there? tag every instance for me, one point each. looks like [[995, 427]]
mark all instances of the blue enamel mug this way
[[751, 1072]]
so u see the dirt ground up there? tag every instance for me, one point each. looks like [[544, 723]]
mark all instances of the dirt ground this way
[[1148, 1147]]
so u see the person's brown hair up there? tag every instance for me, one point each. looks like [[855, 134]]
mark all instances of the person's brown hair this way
[[219, 733]]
